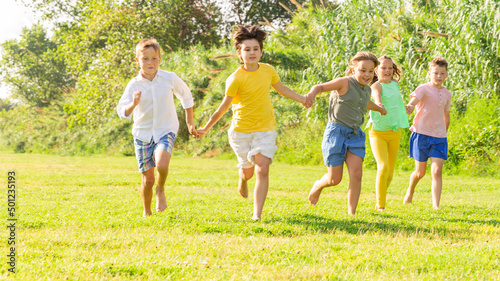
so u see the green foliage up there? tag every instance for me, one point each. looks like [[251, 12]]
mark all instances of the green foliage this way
[[45, 131], [300, 144], [474, 137], [107, 32], [255, 12], [32, 69], [97, 45], [6, 104]]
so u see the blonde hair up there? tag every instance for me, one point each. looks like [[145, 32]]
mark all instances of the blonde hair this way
[[361, 56], [147, 43], [396, 74], [438, 62]]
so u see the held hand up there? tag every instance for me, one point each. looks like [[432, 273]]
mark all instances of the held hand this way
[[201, 132], [193, 131], [310, 97], [382, 110], [137, 97], [309, 100], [409, 108]]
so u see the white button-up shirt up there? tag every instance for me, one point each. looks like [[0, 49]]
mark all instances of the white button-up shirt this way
[[155, 115]]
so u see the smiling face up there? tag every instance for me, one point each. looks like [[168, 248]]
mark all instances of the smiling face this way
[[250, 52], [364, 71], [437, 74], [149, 61], [385, 71]]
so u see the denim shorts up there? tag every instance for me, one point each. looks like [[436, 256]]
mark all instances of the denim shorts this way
[[145, 151], [337, 139], [422, 147], [247, 145]]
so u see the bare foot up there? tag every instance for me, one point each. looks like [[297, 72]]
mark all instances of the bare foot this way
[[243, 188], [379, 208], [146, 214], [314, 194], [407, 199], [161, 201], [255, 219]]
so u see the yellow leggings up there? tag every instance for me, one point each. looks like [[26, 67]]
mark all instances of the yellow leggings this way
[[385, 147]]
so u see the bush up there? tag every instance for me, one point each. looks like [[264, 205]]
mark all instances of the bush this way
[[474, 137]]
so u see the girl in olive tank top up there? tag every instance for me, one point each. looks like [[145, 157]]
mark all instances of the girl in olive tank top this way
[[343, 140]]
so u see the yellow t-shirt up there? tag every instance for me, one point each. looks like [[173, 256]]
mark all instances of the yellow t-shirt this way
[[252, 108]]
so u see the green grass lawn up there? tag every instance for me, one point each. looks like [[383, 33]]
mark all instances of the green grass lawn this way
[[80, 219]]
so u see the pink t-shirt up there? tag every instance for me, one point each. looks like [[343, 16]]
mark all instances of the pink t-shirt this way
[[430, 110]]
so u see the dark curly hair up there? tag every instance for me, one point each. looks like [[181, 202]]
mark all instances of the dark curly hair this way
[[245, 32]]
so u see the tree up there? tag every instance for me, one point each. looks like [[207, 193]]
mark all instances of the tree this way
[[99, 43], [255, 12], [33, 70]]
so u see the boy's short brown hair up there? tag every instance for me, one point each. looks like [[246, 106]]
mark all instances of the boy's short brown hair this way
[[147, 43], [245, 32], [438, 62]]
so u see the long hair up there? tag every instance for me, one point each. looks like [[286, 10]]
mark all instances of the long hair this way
[[396, 74], [361, 56]]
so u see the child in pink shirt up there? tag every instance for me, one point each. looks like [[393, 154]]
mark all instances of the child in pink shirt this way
[[431, 122]]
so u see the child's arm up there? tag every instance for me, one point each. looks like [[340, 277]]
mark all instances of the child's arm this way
[[223, 108], [377, 94], [411, 105], [289, 93], [447, 119], [372, 106], [137, 98], [340, 85], [190, 122]]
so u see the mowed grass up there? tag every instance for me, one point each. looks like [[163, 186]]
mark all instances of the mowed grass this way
[[80, 219]]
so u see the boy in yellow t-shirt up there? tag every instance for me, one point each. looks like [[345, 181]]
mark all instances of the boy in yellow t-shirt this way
[[253, 129]]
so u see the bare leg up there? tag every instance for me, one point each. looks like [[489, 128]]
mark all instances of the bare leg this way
[[148, 181], [414, 179], [162, 162], [245, 175], [437, 180], [355, 168], [331, 178], [262, 164]]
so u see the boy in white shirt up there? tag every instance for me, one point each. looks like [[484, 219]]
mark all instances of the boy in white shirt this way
[[149, 96]]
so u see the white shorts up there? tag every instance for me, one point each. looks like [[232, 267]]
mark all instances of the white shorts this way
[[247, 145]]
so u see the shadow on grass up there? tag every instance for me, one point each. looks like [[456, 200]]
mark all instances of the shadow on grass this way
[[489, 215], [307, 224], [315, 223], [393, 224]]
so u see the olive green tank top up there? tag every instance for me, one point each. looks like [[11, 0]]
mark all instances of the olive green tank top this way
[[349, 109]]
